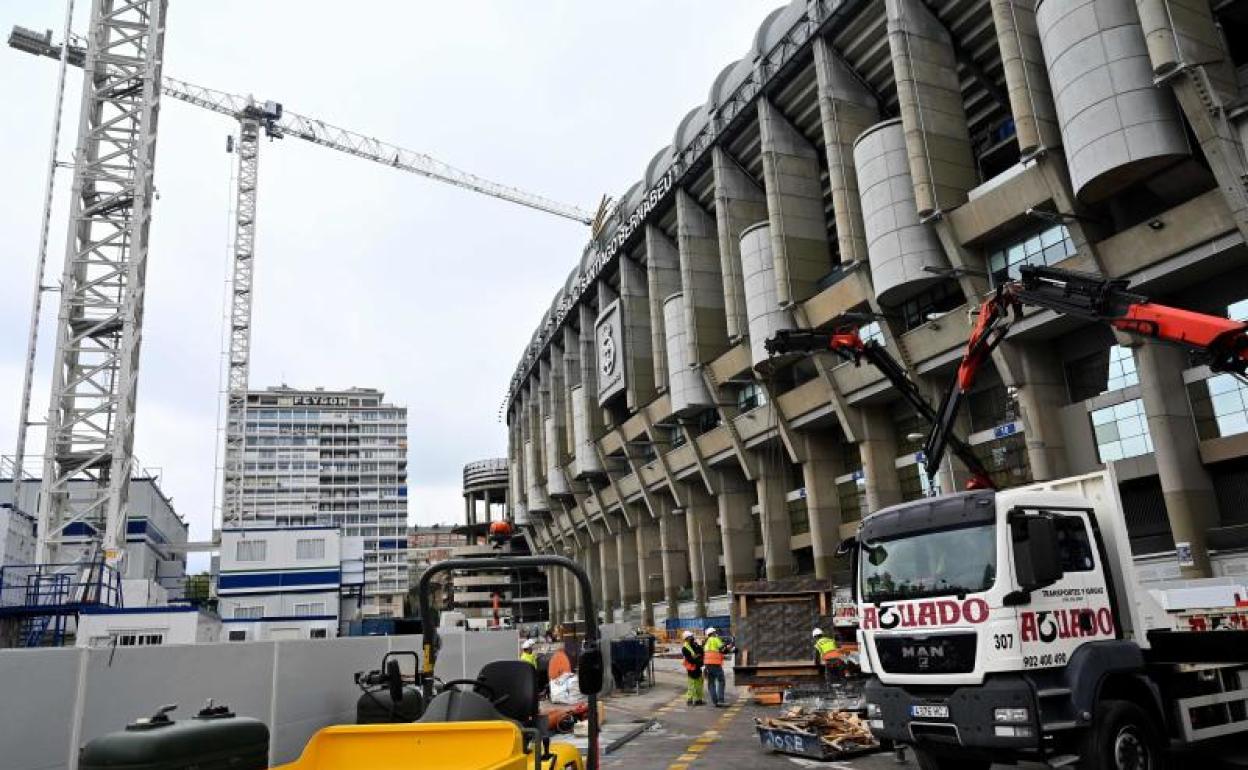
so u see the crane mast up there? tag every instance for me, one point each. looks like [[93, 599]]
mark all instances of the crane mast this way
[[90, 429]]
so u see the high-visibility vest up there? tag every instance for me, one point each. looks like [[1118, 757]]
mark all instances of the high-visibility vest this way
[[689, 666], [713, 652], [529, 658], [826, 648]]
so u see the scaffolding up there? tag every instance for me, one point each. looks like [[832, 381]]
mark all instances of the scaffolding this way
[[45, 600]]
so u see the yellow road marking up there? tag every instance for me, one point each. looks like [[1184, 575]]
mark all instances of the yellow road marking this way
[[687, 757]]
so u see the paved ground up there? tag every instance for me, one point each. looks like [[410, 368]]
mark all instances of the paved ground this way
[[704, 737]]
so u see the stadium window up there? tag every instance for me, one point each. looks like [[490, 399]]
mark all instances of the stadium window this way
[[238, 636], [1121, 431], [317, 633], [1047, 247], [253, 612], [251, 550], [310, 608], [1220, 406]]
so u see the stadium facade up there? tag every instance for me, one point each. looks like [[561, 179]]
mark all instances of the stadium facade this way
[[891, 161]]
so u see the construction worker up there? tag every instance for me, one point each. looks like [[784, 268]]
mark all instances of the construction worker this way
[[526, 653], [713, 664], [827, 653], [692, 652]]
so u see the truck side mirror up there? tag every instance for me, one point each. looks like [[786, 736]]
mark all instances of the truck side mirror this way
[[847, 546], [589, 670], [1035, 552]]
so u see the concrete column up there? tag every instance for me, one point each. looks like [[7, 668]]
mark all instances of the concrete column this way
[[799, 232], [825, 461], [593, 566], [635, 305], [663, 280], [938, 139], [1041, 396], [736, 528], [739, 203], [571, 594], [552, 592], [608, 563], [701, 280], [878, 447], [674, 546], [846, 109], [649, 564], [588, 316], [703, 538], [1190, 502], [772, 485], [1026, 79], [626, 560]]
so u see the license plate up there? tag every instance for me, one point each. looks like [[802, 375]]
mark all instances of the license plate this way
[[930, 712]]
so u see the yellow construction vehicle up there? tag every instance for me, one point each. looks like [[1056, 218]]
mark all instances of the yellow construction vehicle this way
[[488, 723]]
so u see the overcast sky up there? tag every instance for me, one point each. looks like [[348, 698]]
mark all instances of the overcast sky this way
[[364, 275]]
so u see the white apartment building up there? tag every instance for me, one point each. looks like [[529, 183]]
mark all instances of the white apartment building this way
[[333, 458]]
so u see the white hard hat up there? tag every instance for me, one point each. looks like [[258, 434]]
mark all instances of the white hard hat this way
[[687, 635], [528, 644], [817, 632], [710, 631]]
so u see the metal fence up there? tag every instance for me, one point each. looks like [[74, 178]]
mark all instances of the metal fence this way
[[55, 700]]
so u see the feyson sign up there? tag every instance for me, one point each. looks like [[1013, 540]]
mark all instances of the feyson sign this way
[[602, 256]]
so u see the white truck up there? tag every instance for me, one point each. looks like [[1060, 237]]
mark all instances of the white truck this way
[[1000, 626]]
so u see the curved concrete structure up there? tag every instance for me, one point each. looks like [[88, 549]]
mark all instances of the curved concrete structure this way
[[777, 23], [727, 81], [658, 166], [689, 126], [685, 385], [583, 447], [762, 306], [899, 247], [1117, 127]]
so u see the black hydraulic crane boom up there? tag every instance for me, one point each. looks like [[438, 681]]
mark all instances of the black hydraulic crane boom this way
[[1221, 342], [848, 345]]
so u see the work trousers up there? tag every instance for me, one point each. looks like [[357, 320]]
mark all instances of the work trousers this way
[[715, 683], [693, 692]]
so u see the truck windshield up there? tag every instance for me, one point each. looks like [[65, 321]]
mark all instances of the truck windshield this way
[[940, 563]]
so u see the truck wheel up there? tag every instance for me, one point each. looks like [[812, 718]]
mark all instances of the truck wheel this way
[[930, 760], [1123, 737]]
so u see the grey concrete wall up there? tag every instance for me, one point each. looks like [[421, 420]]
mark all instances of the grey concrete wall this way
[[56, 700]]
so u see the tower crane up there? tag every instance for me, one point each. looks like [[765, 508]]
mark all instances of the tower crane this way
[[254, 118]]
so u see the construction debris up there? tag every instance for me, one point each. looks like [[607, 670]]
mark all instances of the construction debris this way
[[820, 734]]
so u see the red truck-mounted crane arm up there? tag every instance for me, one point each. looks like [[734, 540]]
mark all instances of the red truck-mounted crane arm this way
[[1221, 342], [846, 343]]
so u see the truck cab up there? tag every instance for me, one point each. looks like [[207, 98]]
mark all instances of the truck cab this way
[[1007, 625]]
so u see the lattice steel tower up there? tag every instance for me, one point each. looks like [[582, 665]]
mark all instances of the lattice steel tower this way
[[90, 429]]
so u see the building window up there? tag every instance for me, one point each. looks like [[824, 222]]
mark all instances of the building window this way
[[799, 517], [251, 550], [1047, 247], [310, 608], [1238, 311], [317, 633], [310, 549], [1121, 431], [852, 493], [990, 407], [941, 298], [751, 396], [871, 331], [249, 613], [1122, 373], [915, 484], [1005, 459], [1220, 406], [238, 636]]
